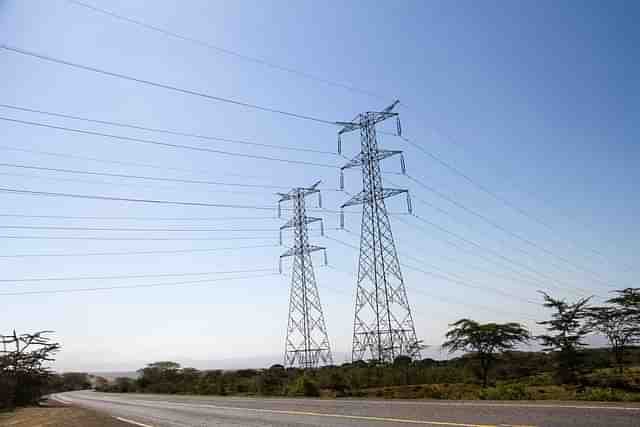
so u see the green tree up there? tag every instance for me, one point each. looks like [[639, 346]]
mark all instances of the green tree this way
[[485, 340], [75, 381], [619, 322], [101, 384], [404, 364], [566, 332], [124, 385], [629, 300], [159, 377], [24, 378]]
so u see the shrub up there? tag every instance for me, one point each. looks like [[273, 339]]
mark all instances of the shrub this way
[[304, 386], [602, 395], [505, 392]]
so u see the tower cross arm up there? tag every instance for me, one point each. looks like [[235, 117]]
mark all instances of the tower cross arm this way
[[373, 118], [294, 222], [303, 250], [348, 127], [303, 191], [364, 197], [359, 160]]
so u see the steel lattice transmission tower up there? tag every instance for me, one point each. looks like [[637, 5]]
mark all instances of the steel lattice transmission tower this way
[[307, 342], [383, 325]]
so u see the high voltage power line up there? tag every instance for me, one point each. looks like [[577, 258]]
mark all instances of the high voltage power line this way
[[481, 254], [449, 215], [440, 194], [128, 238], [130, 229], [145, 184], [166, 144], [167, 131], [430, 295], [130, 253], [499, 198], [226, 51], [307, 75], [538, 284], [163, 168], [109, 183], [460, 280], [499, 226], [150, 201], [142, 286], [447, 300], [141, 177], [44, 57], [136, 164], [522, 280], [131, 276], [147, 82], [177, 89], [140, 218], [495, 253], [445, 277], [120, 175], [180, 90], [132, 200]]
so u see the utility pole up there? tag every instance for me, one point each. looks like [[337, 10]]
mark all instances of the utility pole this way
[[307, 343], [383, 325]]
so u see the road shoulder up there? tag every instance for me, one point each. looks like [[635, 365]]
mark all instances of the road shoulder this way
[[57, 415]]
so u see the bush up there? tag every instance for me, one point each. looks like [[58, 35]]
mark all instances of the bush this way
[[629, 381], [304, 386], [602, 395], [505, 392]]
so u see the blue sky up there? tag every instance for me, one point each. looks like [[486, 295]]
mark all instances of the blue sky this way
[[537, 102]]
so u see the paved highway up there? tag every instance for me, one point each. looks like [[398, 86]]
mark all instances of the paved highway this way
[[187, 411]]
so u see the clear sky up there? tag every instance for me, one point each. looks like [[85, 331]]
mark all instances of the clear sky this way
[[536, 101]]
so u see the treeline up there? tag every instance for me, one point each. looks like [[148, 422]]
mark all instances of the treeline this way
[[454, 378], [490, 368]]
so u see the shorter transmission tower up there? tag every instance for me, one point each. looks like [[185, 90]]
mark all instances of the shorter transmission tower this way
[[307, 342]]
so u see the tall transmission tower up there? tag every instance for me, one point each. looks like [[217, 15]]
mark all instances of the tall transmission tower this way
[[383, 325], [307, 342]]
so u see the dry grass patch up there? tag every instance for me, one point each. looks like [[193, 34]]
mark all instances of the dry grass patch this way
[[66, 416]]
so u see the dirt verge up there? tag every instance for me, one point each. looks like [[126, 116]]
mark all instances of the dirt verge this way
[[58, 416]]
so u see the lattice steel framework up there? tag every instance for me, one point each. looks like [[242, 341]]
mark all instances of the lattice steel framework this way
[[307, 341], [383, 325]]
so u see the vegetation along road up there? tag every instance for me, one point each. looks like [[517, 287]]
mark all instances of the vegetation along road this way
[[182, 411]]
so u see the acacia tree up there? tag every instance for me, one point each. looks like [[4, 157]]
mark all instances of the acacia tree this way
[[619, 322], [629, 300], [485, 340], [566, 332], [23, 374]]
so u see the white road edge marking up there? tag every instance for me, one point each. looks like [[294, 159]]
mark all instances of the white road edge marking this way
[[465, 403], [344, 416], [61, 399], [135, 423], [150, 403]]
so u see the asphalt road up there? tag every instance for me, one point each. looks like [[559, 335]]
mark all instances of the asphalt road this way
[[183, 411]]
